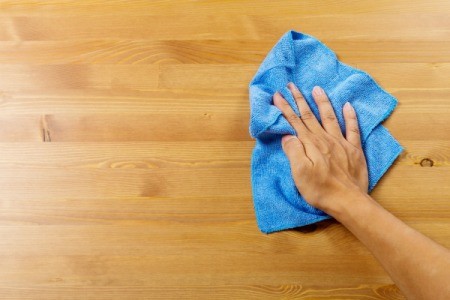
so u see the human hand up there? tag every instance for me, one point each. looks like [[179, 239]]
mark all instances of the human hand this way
[[328, 168]]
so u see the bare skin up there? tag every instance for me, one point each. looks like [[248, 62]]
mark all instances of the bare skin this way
[[330, 171]]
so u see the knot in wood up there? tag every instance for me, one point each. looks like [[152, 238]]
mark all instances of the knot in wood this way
[[426, 162]]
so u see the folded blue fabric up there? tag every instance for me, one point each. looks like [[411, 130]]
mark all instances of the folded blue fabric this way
[[305, 61]]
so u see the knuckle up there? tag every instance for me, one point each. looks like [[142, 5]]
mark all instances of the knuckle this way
[[326, 139], [302, 166], [307, 115], [285, 103], [306, 139], [289, 143], [354, 129], [329, 116], [343, 143], [323, 100], [333, 142], [330, 144], [329, 138], [340, 148], [298, 96], [355, 152], [312, 138], [297, 169], [322, 145], [309, 137], [292, 118]]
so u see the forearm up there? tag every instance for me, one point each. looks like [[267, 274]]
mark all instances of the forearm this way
[[325, 165], [419, 266]]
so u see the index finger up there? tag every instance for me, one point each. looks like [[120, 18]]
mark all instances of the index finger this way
[[289, 114], [304, 137]]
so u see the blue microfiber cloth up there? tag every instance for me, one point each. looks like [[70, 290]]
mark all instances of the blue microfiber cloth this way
[[305, 61]]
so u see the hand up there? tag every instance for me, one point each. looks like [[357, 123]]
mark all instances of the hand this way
[[327, 167]]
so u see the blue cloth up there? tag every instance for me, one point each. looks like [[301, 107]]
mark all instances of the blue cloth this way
[[307, 62]]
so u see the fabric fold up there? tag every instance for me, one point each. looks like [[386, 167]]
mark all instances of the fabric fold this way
[[305, 61]]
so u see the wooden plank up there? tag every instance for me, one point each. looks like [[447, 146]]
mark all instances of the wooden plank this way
[[259, 291], [124, 101], [194, 157], [194, 76], [104, 270], [234, 233], [177, 7], [220, 100], [183, 155], [25, 182], [225, 26], [228, 52], [44, 77], [110, 127], [174, 182], [200, 126], [389, 75], [146, 155], [217, 210]]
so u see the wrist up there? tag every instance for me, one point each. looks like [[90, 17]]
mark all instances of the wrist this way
[[345, 204]]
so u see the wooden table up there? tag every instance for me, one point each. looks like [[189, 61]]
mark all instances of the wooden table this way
[[125, 154]]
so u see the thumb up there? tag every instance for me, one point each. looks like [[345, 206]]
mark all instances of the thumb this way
[[293, 148]]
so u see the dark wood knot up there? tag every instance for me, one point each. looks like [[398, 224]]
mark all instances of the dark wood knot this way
[[426, 162]]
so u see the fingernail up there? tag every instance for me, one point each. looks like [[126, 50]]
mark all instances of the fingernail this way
[[286, 138], [291, 85], [348, 107], [318, 91], [276, 96]]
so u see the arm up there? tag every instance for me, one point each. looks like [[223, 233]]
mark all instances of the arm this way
[[330, 171], [419, 266]]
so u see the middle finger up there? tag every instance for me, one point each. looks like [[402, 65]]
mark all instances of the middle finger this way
[[326, 111]]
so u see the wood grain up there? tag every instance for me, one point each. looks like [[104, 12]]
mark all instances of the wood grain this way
[[125, 153]]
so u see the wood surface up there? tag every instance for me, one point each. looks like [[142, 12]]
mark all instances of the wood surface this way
[[125, 153]]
